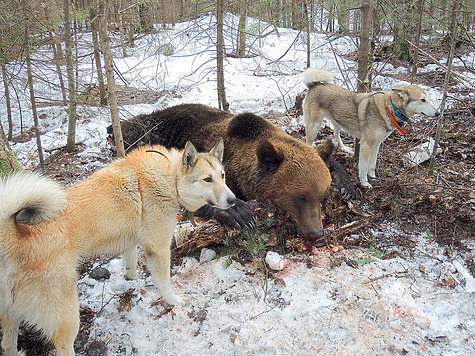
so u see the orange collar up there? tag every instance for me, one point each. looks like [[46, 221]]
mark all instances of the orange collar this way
[[393, 120]]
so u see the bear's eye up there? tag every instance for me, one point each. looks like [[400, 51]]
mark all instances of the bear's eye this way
[[208, 179], [423, 100], [303, 198]]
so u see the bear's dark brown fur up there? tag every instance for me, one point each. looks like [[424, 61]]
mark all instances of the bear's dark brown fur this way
[[261, 161]]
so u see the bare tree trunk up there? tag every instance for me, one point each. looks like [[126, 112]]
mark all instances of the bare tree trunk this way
[[365, 58], [241, 40], [307, 27], [122, 34], [415, 55], [26, 42], [56, 60], [223, 104], [7, 100], [440, 123], [59, 48], [71, 144], [113, 102], [8, 161], [97, 55]]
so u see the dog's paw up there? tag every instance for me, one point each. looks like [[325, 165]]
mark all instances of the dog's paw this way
[[131, 274], [173, 299], [366, 185]]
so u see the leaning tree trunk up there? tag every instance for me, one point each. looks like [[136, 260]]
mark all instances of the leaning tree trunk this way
[[26, 42], [8, 161], [113, 102], [7, 100], [71, 144], [97, 56], [223, 104]]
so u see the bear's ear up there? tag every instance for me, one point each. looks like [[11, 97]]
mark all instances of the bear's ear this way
[[268, 157], [218, 150], [190, 156], [325, 149]]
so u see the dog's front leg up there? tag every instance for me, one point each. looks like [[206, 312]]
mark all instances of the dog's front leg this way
[[10, 328], [130, 262], [157, 254], [372, 160], [363, 164]]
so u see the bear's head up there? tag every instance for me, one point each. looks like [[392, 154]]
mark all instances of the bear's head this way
[[296, 179]]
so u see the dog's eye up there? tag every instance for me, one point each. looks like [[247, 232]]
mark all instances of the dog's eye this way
[[423, 100], [222, 175], [208, 179]]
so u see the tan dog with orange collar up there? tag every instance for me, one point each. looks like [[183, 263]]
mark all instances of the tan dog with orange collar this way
[[370, 117]]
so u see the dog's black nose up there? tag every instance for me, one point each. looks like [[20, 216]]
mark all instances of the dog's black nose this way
[[231, 200], [437, 113]]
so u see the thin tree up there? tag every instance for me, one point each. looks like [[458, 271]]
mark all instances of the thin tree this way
[[113, 101], [97, 55], [241, 38], [223, 104], [307, 28], [30, 81], [57, 60], [415, 55], [68, 49], [7, 99], [440, 123], [365, 57]]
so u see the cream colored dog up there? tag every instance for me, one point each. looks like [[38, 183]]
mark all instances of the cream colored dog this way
[[370, 117], [45, 230]]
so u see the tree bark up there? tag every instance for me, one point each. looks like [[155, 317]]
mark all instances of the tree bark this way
[[307, 27], [223, 104], [113, 102], [97, 55], [241, 40], [365, 60], [30, 83], [7, 100], [71, 145]]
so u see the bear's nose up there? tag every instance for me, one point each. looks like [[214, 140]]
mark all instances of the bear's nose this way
[[316, 234]]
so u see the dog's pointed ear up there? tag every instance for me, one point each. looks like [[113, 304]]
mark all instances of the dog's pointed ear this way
[[402, 92], [218, 150], [269, 158], [325, 149], [190, 156]]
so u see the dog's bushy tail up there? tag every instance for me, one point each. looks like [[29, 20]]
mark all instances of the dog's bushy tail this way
[[29, 198], [314, 76]]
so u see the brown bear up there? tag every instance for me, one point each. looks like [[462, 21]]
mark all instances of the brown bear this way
[[261, 161]]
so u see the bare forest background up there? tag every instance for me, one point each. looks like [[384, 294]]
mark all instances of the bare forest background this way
[[413, 31]]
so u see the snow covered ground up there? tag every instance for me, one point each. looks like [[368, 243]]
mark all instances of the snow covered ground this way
[[420, 304]]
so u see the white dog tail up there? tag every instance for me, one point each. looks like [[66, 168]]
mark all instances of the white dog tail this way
[[314, 76], [29, 198]]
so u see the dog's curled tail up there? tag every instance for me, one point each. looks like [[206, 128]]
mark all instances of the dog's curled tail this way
[[29, 198], [313, 76]]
